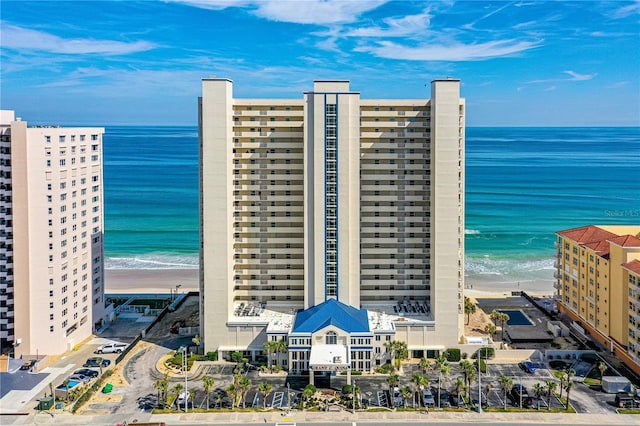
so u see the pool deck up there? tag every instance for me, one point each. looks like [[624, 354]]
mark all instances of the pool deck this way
[[519, 333]]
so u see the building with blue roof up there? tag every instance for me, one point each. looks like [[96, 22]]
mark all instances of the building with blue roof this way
[[332, 222]]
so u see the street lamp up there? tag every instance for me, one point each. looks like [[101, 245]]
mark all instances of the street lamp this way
[[183, 349], [175, 293], [480, 381], [288, 395], [353, 390]]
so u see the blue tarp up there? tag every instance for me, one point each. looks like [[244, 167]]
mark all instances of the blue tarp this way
[[332, 312]]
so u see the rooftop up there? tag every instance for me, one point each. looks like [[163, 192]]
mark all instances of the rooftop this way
[[332, 312]]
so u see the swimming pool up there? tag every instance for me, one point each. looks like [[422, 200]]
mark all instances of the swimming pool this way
[[72, 384], [516, 317]]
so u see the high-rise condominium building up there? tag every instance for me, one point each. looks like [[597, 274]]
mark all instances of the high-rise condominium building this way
[[51, 263], [598, 283], [332, 222]]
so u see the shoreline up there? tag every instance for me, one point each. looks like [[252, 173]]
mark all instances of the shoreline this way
[[152, 281]]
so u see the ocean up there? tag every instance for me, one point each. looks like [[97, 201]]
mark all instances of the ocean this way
[[522, 185]]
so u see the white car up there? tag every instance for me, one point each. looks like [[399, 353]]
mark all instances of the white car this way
[[110, 348]]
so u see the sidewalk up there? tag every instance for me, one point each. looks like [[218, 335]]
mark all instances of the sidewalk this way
[[329, 417]]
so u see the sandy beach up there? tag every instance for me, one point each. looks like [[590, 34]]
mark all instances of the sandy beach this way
[[132, 281]]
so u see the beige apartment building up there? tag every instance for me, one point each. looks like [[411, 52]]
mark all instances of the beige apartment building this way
[[598, 283], [51, 247], [332, 222]]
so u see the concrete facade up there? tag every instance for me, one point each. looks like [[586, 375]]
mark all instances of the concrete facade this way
[[331, 196], [51, 242]]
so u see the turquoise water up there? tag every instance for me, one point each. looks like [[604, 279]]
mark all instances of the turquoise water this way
[[523, 184]]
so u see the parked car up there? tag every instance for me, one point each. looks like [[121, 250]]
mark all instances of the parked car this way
[[443, 397], [397, 398], [528, 366], [175, 328], [79, 378], [516, 391], [428, 399], [625, 400], [87, 372], [28, 365], [97, 362], [456, 400], [183, 399], [110, 348]]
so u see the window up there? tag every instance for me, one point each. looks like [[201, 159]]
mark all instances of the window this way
[[331, 338]]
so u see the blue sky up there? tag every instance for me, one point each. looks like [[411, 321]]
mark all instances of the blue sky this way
[[521, 63]]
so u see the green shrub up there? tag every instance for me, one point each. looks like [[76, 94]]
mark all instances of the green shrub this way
[[485, 353], [452, 354], [385, 368]]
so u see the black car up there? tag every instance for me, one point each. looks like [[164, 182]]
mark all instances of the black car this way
[[28, 364], [87, 372], [518, 391], [97, 362]]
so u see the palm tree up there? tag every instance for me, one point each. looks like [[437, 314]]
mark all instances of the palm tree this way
[[397, 352], [390, 346], [444, 369], [487, 390], [232, 392], [538, 391], [490, 329], [603, 369], [470, 372], [503, 319], [307, 393], [177, 389], [568, 386], [506, 383], [470, 308], [270, 348], [406, 393], [393, 380], [281, 347], [459, 386], [420, 382], [163, 386], [551, 387], [244, 386], [566, 378], [208, 383], [265, 389], [423, 364]]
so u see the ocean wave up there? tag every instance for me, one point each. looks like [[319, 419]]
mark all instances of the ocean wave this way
[[508, 266], [153, 262], [471, 232]]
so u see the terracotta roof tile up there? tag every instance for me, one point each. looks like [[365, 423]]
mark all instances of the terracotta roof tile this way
[[587, 234], [633, 266], [626, 241]]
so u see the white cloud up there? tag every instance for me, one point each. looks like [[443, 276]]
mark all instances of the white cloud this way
[[213, 4], [618, 85], [15, 37], [395, 27], [450, 52], [627, 10], [550, 89], [318, 12], [579, 77]]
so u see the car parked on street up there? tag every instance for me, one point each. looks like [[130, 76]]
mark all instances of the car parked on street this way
[[110, 348], [28, 365], [87, 372], [97, 362], [79, 378]]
